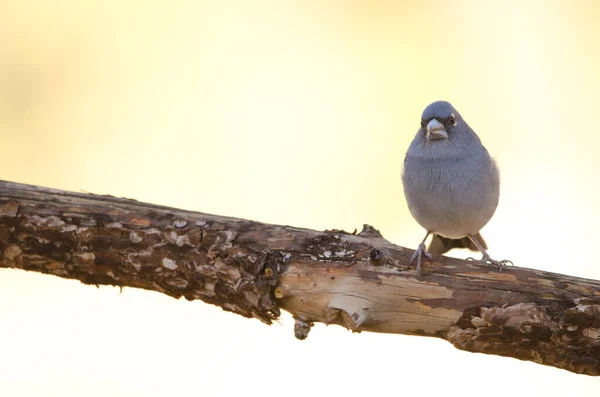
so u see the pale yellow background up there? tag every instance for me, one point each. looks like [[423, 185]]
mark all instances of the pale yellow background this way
[[289, 112]]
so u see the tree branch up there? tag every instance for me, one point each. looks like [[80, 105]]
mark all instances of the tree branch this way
[[361, 282]]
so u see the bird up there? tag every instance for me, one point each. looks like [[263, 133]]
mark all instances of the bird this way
[[451, 184]]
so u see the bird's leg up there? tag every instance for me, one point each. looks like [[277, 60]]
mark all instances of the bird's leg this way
[[486, 259], [418, 255]]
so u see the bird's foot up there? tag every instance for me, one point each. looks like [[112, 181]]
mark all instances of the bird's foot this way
[[418, 255], [486, 260]]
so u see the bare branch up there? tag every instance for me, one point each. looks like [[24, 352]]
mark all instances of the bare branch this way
[[360, 281]]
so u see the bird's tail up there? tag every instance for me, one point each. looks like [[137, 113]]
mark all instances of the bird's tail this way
[[441, 245]]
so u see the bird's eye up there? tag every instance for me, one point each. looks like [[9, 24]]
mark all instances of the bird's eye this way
[[452, 119], [422, 123]]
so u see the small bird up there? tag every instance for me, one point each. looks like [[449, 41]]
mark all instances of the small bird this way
[[451, 184]]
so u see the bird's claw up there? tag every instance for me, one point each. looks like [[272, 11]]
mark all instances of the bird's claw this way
[[418, 255], [486, 260]]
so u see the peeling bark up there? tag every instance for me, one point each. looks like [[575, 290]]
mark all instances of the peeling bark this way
[[360, 281]]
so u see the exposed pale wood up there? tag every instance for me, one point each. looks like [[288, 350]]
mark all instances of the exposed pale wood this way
[[361, 282]]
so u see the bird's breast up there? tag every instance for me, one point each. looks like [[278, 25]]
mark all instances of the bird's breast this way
[[452, 197]]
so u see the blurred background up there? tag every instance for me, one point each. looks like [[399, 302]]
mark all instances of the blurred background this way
[[295, 113]]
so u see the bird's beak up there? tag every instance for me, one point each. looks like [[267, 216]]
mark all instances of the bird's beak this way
[[435, 130]]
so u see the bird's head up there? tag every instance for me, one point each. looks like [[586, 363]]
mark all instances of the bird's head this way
[[439, 121]]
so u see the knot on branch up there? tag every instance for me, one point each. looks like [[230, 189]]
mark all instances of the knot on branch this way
[[379, 257], [302, 328], [347, 309], [369, 231]]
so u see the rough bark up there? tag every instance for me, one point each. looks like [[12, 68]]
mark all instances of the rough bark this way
[[360, 281]]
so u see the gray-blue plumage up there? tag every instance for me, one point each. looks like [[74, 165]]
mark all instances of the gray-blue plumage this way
[[451, 183]]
